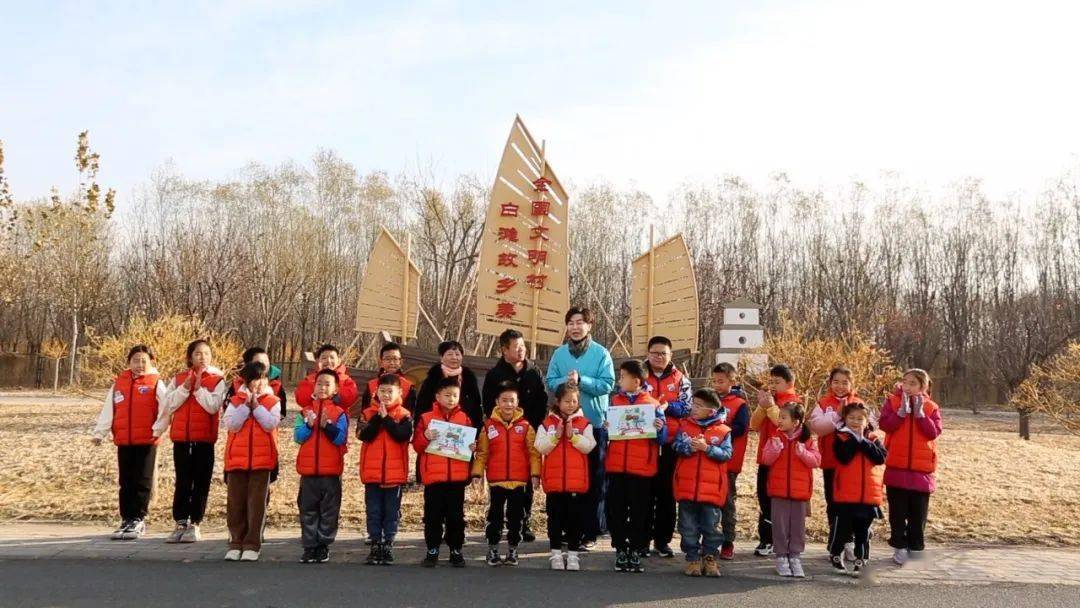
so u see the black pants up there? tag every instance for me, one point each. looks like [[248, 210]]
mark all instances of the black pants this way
[[529, 496], [828, 475], [907, 518], [764, 520], [194, 462], [596, 516], [566, 515], [444, 505], [850, 521], [662, 501], [505, 507], [136, 466], [319, 502], [728, 518], [628, 498]]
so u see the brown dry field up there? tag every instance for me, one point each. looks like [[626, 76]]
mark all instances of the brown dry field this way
[[993, 488]]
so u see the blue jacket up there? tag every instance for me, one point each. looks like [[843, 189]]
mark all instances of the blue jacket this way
[[336, 433], [597, 378], [719, 453]]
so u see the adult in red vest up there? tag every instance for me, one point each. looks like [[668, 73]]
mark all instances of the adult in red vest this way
[[391, 361], [857, 487], [328, 357], [134, 402], [384, 429], [737, 417], [444, 478], [672, 389], [791, 455], [194, 409], [781, 391], [565, 439], [251, 453], [321, 429], [912, 423]]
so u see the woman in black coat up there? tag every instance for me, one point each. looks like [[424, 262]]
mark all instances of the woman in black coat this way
[[451, 354]]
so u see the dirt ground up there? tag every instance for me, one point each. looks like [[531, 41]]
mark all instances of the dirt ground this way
[[993, 488]]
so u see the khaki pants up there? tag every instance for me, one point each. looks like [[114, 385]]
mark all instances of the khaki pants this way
[[246, 511]]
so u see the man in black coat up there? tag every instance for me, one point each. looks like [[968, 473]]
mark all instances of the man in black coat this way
[[532, 396]]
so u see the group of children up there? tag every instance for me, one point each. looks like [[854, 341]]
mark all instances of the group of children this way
[[862, 465]]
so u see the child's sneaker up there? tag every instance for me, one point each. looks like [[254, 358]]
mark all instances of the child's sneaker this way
[[431, 559], [692, 568], [837, 562], [664, 551], [796, 567], [387, 557], [849, 552], [556, 560], [191, 534], [635, 562], [177, 533], [710, 568], [783, 566], [859, 565], [457, 560], [308, 557], [511, 557], [763, 550], [135, 530], [727, 551], [250, 556], [121, 530], [322, 554], [622, 561], [573, 562], [374, 555], [643, 554], [493, 558], [900, 556], [232, 555]]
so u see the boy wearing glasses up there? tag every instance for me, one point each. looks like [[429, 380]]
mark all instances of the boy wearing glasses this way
[[390, 362]]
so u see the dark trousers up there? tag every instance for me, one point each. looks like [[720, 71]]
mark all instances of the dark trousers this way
[[596, 517], [764, 520], [828, 475], [507, 507], [662, 501], [529, 497], [319, 502], [847, 522], [382, 512], [628, 499], [194, 462], [444, 506], [907, 518], [728, 517], [245, 510], [136, 477], [566, 515]]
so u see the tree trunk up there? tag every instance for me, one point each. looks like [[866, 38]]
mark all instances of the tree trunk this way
[[74, 343], [56, 375], [1025, 424]]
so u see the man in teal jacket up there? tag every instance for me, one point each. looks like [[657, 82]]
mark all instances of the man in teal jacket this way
[[586, 364]]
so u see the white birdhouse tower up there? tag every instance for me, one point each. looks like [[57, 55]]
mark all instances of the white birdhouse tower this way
[[742, 332]]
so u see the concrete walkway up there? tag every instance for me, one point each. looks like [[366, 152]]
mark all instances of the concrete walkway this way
[[957, 565]]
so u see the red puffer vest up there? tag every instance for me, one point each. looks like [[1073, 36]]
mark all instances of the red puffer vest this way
[[318, 455], [135, 409], [252, 448], [789, 477], [565, 468], [508, 451], [632, 456], [733, 403], [859, 481], [384, 460], [191, 422], [908, 447], [768, 429], [699, 478], [433, 467], [665, 388], [825, 442]]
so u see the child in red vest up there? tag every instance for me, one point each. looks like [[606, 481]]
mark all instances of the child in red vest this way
[[912, 423], [825, 420], [703, 444], [251, 453], [631, 465], [737, 418], [444, 478], [781, 391], [328, 357], [506, 454], [391, 361], [134, 402], [384, 428], [791, 455], [857, 485], [194, 408], [565, 439], [321, 429]]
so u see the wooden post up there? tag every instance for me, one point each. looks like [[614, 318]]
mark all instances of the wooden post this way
[[649, 290], [405, 290], [540, 246]]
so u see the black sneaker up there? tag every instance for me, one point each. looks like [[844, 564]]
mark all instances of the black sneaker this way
[[635, 563], [511, 557], [527, 534], [322, 554], [457, 560], [859, 565], [387, 554], [308, 557], [374, 556], [664, 551], [837, 562], [588, 545], [763, 550], [493, 556], [622, 561], [431, 559], [643, 553]]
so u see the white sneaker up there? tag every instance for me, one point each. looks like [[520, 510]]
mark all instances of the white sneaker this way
[[232, 555], [849, 552], [572, 561], [783, 566], [796, 567], [900, 556], [135, 530], [191, 534], [178, 532], [118, 533], [249, 556], [556, 560]]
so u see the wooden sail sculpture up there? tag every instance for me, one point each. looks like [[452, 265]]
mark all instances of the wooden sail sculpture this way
[[664, 296], [523, 277], [389, 298]]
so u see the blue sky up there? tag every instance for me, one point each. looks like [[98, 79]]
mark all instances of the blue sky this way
[[649, 95]]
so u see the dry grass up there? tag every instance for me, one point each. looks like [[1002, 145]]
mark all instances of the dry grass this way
[[994, 488]]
